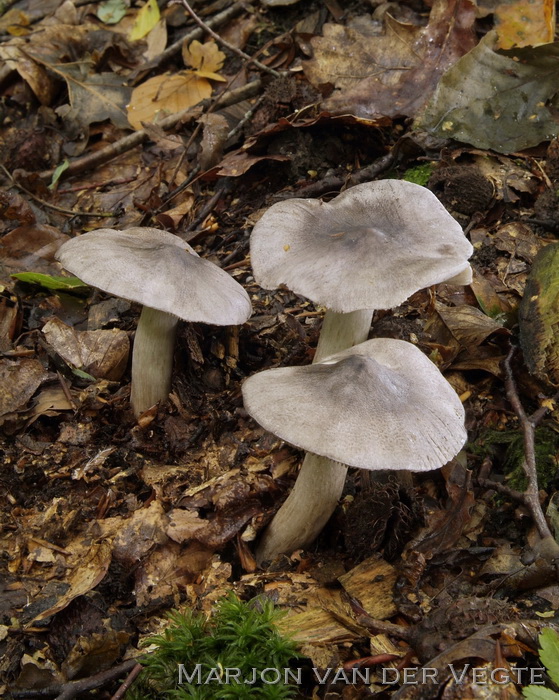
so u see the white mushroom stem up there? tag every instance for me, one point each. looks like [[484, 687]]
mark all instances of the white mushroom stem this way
[[152, 359], [320, 483]]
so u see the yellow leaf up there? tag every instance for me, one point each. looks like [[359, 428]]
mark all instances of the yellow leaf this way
[[205, 59], [525, 23], [166, 94], [15, 22], [148, 16]]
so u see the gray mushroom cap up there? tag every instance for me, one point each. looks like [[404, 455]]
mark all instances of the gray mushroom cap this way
[[381, 404], [371, 247], [157, 269]]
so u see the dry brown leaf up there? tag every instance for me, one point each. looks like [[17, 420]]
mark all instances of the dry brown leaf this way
[[19, 380], [103, 354], [395, 73], [30, 248], [91, 564], [468, 325], [34, 75]]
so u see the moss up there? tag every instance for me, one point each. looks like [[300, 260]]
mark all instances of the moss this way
[[420, 174], [239, 635], [547, 449]]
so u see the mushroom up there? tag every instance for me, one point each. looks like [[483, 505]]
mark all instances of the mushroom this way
[[162, 272], [381, 404], [369, 248]]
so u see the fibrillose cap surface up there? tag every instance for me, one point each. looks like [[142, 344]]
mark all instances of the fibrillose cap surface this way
[[381, 404], [157, 269], [371, 247]]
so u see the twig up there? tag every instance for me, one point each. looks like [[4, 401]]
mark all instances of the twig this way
[[54, 207], [72, 689], [176, 48], [334, 183], [130, 141], [227, 45], [130, 678], [528, 425]]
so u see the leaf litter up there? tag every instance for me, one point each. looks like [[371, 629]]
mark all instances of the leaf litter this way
[[107, 522]]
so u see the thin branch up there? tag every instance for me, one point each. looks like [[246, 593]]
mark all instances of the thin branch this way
[[54, 207], [73, 689], [176, 48], [227, 45], [130, 678], [127, 143], [528, 424]]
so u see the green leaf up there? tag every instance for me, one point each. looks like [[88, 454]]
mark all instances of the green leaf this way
[[549, 654], [500, 100], [49, 281], [111, 11], [58, 172], [82, 375], [535, 692]]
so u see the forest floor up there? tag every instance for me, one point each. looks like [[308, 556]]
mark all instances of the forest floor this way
[[106, 522]]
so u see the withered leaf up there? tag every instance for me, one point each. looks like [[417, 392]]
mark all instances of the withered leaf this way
[[19, 379], [395, 73], [468, 325], [103, 354], [90, 570]]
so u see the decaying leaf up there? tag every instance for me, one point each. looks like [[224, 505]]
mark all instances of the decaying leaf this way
[[502, 101], [539, 316], [329, 617], [103, 354], [392, 74], [93, 565], [94, 97], [19, 380], [468, 325]]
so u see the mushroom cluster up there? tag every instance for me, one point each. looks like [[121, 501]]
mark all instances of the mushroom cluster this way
[[369, 248], [163, 273]]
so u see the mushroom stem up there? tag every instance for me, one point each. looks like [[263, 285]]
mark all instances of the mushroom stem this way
[[341, 331], [152, 359], [321, 480], [307, 508]]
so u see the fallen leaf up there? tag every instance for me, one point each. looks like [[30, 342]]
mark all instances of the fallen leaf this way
[[31, 248], [171, 93], [93, 97], [91, 570], [38, 79], [206, 59], [166, 94], [19, 380], [15, 22], [103, 354], [525, 23], [111, 11], [395, 73], [502, 101], [51, 281], [468, 325], [538, 316], [146, 19]]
